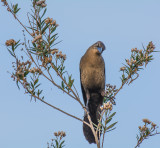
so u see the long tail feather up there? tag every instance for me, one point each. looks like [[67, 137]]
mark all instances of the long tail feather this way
[[94, 109]]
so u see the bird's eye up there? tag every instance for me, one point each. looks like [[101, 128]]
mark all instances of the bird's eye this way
[[97, 45]]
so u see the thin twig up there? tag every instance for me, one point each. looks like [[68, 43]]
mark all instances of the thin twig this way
[[139, 142]]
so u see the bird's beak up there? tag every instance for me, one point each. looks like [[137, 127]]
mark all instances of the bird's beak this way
[[100, 49]]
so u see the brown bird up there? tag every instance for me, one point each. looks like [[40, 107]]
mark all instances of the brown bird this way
[[92, 77]]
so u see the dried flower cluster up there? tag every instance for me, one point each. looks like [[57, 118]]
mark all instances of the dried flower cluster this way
[[106, 106], [60, 55], [138, 58], [4, 2], [54, 51], [60, 134], [37, 38], [57, 142], [145, 120], [147, 130], [41, 3], [50, 21], [35, 70], [109, 93], [21, 70], [10, 42], [122, 68]]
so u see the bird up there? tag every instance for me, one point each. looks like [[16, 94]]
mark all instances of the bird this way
[[92, 78]]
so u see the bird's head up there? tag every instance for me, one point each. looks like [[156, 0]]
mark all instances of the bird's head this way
[[98, 47]]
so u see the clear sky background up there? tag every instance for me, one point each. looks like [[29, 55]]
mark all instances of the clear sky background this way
[[121, 25]]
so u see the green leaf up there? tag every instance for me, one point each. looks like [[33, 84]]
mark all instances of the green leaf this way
[[32, 85], [44, 29], [26, 73], [44, 12], [12, 54], [108, 120], [112, 115], [111, 129], [52, 41], [112, 125], [53, 36], [17, 84], [62, 85], [37, 86], [61, 145], [53, 29], [36, 81], [13, 48], [57, 143]]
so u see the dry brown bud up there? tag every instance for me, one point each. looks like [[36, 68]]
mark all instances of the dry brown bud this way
[[57, 55], [53, 22], [64, 134], [143, 128], [55, 133], [44, 5], [8, 9], [40, 2], [56, 25], [110, 108], [37, 32], [134, 61], [101, 108], [59, 133], [140, 128], [54, 51], [38, 37], [132, 50], [140, 51], [151, 46], [153, 125], [10, 42], [49, 20], [5, 3], [122, 68], [146, 56], [64, 56], [146, 121], [50, 59], [33, 34]]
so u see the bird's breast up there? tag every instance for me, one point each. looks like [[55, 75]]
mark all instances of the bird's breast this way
[[93, 78]]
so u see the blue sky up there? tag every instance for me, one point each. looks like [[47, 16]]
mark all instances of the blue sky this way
[[121, 25]]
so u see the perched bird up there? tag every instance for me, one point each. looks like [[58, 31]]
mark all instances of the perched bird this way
[[92, 77]]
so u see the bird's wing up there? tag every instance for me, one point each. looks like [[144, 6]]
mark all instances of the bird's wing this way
[[83, 91]]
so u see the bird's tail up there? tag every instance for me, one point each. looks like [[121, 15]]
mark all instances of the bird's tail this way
[[94, 111]]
